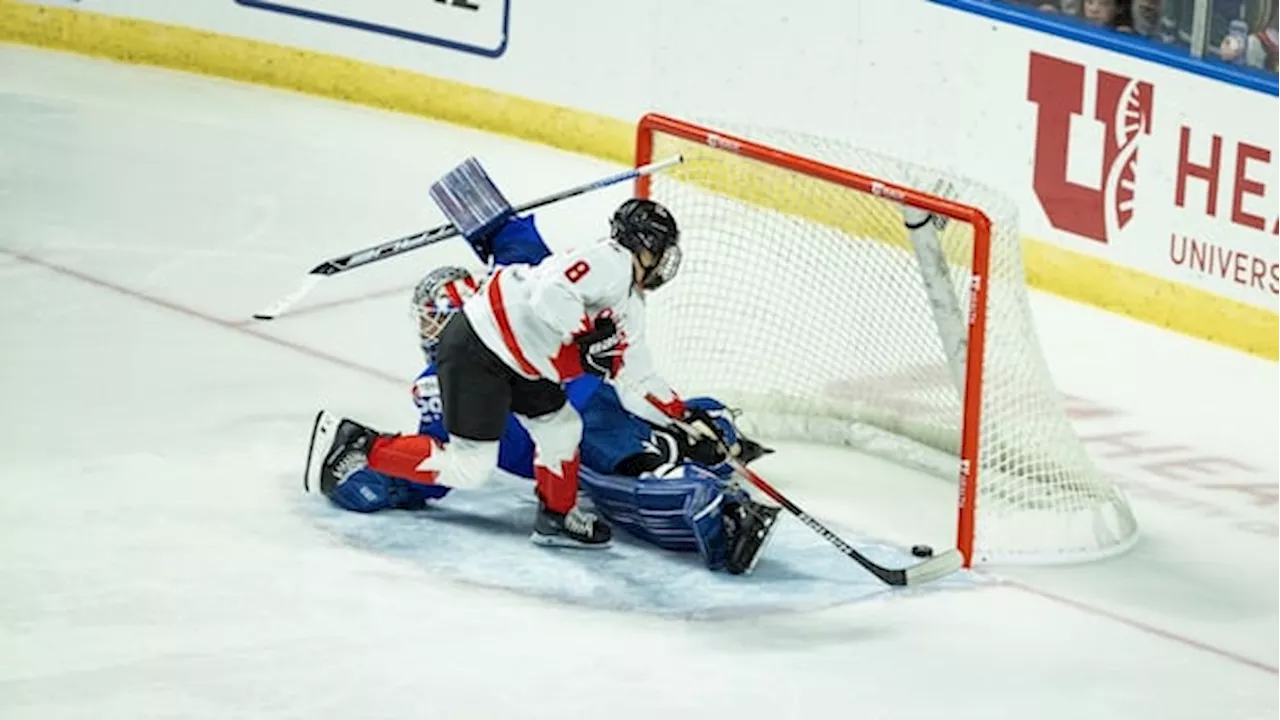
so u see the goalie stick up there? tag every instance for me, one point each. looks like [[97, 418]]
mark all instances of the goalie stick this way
[[934, 568], [391, 248]]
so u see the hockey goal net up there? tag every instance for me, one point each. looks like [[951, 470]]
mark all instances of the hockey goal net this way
[[804, 300]]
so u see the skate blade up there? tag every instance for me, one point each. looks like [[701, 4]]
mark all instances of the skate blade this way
[[321, 434], [561, 541]]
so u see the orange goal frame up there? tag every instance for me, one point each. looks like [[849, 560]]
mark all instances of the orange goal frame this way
[[653, 123]]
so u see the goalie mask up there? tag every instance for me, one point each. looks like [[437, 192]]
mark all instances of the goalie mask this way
[[649, 231], [435, 299]]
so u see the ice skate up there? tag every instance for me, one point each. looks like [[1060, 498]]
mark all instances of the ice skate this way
[[338, 448], [748, 528], [576, 528]]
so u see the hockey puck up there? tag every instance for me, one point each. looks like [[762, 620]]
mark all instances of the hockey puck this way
[[922, 551]]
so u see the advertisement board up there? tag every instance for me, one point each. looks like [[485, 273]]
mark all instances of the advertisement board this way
[[475, 26], [1163, 173]]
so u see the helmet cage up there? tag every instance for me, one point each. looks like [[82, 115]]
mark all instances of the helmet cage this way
[[663, 270]]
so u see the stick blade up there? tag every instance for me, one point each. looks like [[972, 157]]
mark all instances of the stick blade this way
[[936, 567], [282, 305]]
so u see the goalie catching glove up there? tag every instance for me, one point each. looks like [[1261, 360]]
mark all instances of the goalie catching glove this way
[[711, 431]]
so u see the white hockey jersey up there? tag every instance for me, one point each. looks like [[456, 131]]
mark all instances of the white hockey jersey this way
[[528, 316]]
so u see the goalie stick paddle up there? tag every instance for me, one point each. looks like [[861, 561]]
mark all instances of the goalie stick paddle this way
[[936, 567], [392, 248]]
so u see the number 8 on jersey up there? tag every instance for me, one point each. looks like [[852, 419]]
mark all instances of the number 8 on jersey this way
[[576, 271]]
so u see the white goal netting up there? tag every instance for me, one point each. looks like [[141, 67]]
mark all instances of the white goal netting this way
[[806, 304]]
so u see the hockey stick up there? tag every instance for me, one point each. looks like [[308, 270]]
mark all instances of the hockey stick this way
[[391, 248], [935, 567]]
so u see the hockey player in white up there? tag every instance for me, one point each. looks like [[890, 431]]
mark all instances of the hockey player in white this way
[[653, 480], [530, 330]]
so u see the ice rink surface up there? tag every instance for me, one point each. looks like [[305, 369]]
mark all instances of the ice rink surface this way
[[160, 561]]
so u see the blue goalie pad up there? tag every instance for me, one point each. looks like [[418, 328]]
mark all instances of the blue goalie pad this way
[[681, 511], [367, 491], [471, 201]]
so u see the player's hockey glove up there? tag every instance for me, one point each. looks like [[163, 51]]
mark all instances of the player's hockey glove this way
[[601, 348]]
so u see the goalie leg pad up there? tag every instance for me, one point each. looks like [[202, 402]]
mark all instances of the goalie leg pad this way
[[682, 511], [338, 466], [650, 509], [366, 490], [704, 513]]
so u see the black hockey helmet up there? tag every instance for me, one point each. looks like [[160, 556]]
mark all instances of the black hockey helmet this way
[[640, 225]]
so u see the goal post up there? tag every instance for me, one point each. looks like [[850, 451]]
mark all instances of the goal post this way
[[806, 301]]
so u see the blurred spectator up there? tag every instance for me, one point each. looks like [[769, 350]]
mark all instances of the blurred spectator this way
[[1145, 16], [1241, 32], [1097, 12], [1102, 13], [1072, 6], [1258, 50]]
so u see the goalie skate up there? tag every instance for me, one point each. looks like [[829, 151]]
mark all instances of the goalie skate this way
[[748, 528], [338, 447]]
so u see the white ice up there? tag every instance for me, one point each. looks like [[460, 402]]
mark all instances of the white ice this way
[[159, 560]]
